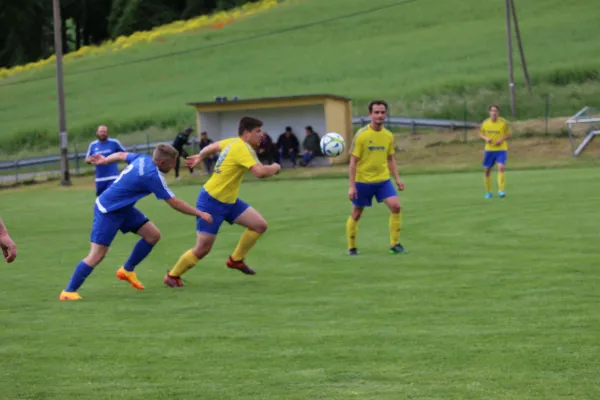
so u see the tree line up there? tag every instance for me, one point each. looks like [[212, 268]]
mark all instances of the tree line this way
[[27, 33]]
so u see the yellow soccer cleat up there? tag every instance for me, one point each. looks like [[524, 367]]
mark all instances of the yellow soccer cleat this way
[[64, 295], [130, 277]]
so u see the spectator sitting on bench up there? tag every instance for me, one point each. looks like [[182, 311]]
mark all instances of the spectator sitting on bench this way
[[287, 146], [266, 151], [311, 146]]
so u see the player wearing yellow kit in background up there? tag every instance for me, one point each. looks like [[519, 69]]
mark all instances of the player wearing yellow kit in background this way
[[495, 132], [219, 198], [371, 163]]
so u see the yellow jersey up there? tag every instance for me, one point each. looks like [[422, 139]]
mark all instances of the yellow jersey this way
[[495, 130], [236, 158], [372, 149]]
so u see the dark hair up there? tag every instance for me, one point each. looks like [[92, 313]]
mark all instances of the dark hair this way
[[288, 128], [308, 127], [248, 124], [377, 103], [188, 129], [203, 133], [492, 106]]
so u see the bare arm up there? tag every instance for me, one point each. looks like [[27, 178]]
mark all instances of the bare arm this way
[[98, 159], [185, 208], [265, 171], [9, 249], [209, 150], [352, 170], [393, 167]]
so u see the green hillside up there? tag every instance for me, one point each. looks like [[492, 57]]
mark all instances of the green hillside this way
[[426, 56]]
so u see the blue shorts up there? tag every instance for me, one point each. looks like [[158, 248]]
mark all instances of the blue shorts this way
[[219, 211], [379, 190], [106, 226], [102, 186], [492, 157]]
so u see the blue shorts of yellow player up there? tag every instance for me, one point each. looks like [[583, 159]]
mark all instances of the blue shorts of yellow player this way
[[490, 158], [219, 211], [106, 225], [379, 190]]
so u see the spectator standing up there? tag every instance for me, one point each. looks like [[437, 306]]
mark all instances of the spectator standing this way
[[182, 139]]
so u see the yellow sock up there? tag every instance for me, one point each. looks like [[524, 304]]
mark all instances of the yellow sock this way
[[501, 181], [395, 223], [351, 231], [186, 262], [488, 183], [247, 241]]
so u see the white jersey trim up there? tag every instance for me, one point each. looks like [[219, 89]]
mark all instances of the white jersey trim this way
[[100, 206], [107, 178]]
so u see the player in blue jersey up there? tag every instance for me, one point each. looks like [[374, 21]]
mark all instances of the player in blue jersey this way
[[114, 211], [105, 146]]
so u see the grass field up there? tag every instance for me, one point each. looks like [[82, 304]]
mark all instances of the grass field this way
[[432, 56], [496, 300]]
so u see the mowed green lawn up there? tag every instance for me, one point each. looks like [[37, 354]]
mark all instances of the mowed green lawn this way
[[496, 300]]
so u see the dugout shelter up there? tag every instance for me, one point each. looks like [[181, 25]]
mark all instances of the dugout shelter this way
[[324, 112]]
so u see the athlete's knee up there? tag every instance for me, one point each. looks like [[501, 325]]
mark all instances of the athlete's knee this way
[[356, 213], [500, 167], [94, 258], [487, 171], [153, 237], [395, 208], [260, 227], [201, 250]]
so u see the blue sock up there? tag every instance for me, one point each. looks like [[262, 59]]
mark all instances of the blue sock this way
[[140, 251], [82, 271]]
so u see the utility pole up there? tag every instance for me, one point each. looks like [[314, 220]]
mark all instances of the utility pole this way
[[511, 77], [520, 44], [65, 179]]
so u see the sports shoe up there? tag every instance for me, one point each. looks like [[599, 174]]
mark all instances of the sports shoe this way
[[240, 266], [353, 252], [398, 249], [172, 281], [488, 195], [501, 194], [64, 295], [130, 277]]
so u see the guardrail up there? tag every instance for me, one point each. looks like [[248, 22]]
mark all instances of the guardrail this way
[[78, 157]]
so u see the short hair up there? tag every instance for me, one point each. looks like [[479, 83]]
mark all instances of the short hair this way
[[496, 106], [203, 133], [308, 127], [377, 103], [248, 124], [164, 152], [189, 129]]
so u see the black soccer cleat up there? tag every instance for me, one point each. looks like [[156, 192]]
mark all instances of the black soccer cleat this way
[[398, 249], [240, 266], [353, 252]]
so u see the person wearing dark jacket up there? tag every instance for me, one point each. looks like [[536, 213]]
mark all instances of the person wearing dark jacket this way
[[266, 151], [210, 160], [182, 139], [311, 146], [288, 146]]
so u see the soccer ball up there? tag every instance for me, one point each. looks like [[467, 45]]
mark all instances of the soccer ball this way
[[332, 144]]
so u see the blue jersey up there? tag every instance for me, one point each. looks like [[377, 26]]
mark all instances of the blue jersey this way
[[108, 172], [139, 179]]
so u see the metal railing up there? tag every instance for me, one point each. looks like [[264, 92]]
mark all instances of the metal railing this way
[[22, 169]]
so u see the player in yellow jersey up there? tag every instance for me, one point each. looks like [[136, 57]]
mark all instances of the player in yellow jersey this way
[[371, 163], [219, 198], [495, 132]]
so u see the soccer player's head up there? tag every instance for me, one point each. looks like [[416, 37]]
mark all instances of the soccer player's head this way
[[102, 133], [378, 111], [494, 111], [164, 157], [250, 130]]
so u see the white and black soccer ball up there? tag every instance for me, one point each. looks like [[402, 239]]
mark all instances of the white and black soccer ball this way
[[332, 144]]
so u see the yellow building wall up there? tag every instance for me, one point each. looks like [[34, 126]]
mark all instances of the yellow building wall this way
[[338, 118]]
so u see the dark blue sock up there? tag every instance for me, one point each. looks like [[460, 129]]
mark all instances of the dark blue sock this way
[[140, 251], [82, 271]]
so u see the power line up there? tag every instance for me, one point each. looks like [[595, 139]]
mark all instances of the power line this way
[[222, 44]]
